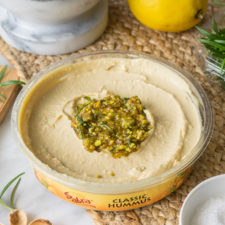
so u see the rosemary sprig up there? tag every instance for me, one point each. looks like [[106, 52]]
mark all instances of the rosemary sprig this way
[[10, 183], [6, 206], [218, 3], [18, 216], [13, 194], [80, 109], [11, 207], [215, 43], [9, 82]]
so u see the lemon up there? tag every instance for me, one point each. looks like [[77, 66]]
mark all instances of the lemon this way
[[168, 15]]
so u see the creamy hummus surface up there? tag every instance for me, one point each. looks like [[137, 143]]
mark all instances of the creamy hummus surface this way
[[47, 131]]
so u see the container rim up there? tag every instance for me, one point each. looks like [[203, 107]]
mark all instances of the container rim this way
[[126, 187]]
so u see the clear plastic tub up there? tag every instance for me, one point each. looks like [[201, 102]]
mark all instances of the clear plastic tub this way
[[116, 196]]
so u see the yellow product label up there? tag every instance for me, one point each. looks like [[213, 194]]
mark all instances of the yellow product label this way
[[113, 202]]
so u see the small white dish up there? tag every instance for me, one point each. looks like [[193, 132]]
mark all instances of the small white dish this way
[[213, 187]]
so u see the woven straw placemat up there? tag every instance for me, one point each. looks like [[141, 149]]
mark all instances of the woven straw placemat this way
[[124, 32]]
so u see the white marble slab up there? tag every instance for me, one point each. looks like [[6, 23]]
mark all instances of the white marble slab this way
[[31, 196], [52, 32]]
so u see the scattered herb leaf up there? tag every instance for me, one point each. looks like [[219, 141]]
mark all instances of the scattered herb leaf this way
[[80, 109], [6, 206], [80, 120], [13, 193], [9, 184], [87, 98], [2, 73], [81, 132], [11, 82]]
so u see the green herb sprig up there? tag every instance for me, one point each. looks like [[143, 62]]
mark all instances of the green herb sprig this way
[[215, 43], [218, 3], [6, 83], [18, 216], [12, 196]]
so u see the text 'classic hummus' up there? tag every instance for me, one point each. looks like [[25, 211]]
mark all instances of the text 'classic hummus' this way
[[47, 130]]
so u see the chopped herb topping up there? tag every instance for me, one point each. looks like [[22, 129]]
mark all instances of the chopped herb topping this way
[[114, 124]]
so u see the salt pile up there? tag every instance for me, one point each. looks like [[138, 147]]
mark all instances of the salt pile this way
[[211, 212]]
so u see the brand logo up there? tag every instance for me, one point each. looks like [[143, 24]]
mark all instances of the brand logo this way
[[77, 200]]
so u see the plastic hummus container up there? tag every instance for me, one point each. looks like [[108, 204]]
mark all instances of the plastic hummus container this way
[[130, 187]]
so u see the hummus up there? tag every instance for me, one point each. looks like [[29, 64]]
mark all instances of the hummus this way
[[47, 131]]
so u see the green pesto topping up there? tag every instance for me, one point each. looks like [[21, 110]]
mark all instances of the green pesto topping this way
[[114, 124]]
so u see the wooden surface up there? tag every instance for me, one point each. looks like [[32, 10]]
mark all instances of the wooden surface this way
[[10, 92]]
